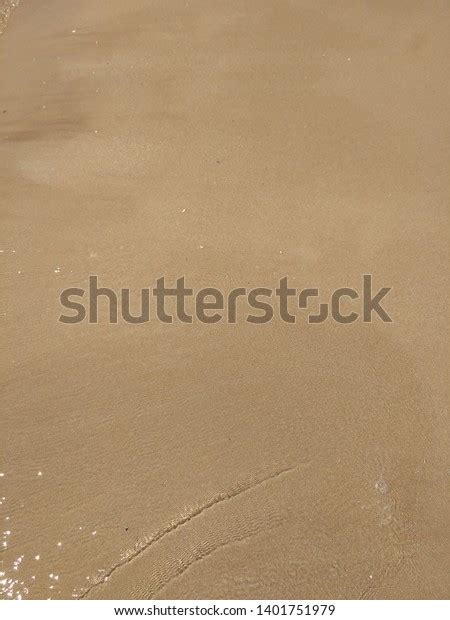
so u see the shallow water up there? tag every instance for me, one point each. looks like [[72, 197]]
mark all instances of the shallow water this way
[[233, 144], [6, 8]]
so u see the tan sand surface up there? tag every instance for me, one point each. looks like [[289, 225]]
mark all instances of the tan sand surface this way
[[233, 143]]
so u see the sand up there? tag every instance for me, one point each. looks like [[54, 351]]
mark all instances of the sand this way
[[233, 143]]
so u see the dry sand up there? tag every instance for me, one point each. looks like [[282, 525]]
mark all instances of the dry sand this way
[[305, 138]]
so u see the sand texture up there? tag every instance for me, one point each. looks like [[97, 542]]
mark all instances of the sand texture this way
[[233, 143]]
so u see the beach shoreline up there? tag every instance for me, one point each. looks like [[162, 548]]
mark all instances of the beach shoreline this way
[[230, 144]]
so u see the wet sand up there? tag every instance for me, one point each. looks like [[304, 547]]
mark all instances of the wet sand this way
[[232, 143]]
